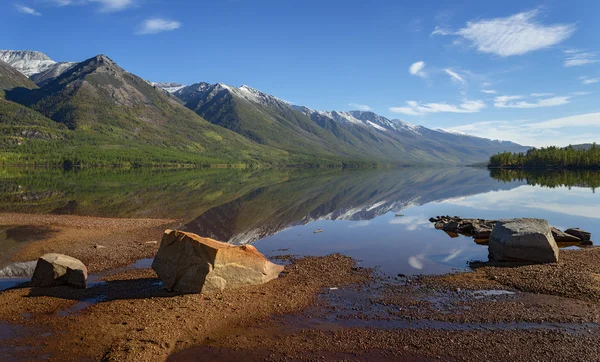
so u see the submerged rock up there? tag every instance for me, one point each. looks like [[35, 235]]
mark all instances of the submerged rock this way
[[188, 263], [527, 240], [58, 269]]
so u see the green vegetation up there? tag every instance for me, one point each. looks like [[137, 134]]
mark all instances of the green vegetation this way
[[550, 178], [11, 78], [550, 157], [96, 114]]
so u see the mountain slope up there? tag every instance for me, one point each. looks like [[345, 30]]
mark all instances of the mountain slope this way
[[358, 135], [35, 65], [263, 119], [11, 78], [107, 108]]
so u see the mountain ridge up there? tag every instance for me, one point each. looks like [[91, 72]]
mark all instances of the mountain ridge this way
[[265, 118], [98, 98]]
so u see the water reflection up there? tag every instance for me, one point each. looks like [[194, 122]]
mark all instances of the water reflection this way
[[378, 217]]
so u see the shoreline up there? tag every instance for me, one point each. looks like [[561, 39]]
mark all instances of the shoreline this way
[[319, 307]]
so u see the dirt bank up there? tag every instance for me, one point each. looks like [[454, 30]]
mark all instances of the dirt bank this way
[[320, 308], [100, 243]]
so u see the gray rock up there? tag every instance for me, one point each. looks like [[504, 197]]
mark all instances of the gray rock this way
[[527, 240], [481, 232], [562, 237], [451, 226], [58, 269], [18, 270], [580, 234]]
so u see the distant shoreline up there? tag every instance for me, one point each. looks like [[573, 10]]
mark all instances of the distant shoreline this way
[[549, 168]]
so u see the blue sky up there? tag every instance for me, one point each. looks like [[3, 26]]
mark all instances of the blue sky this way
[[525, 71]]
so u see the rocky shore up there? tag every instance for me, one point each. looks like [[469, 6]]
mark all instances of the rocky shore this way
[[481, 229], [319, 308]]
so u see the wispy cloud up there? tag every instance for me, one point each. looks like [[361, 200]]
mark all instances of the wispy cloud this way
[[27, 10], [514, 35], [518, 102], [440, 30], [544, 133], [454, 76], [417, 69], [107, 6], [488, 91], [588, 80], [576, 58], [414, 108], [154, 26], [360, 107], [542, 94]]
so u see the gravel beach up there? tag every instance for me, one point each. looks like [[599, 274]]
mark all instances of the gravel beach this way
[[321, 308]]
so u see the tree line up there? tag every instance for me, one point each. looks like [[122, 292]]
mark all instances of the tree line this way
[[549, 157]]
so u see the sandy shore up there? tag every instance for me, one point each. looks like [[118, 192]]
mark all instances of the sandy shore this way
[[320, 308]]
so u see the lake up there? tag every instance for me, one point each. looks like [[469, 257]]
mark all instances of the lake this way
[[379, 217]]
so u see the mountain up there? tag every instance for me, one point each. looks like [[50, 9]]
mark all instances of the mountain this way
[[105, 114], [18, 124], [10, 78], [266, 120], [114, 114], [35, 65], [583, 146], [357, 135], [170, 87]]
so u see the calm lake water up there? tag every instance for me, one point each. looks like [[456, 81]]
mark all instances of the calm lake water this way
[[378, 217]]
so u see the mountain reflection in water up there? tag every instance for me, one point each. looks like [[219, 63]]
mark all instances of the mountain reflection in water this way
[[379, 217]]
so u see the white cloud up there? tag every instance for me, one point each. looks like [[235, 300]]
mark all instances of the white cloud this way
[[439, 30], [417, 69], [584, 128], [455, 77], [588, 80], [360, 107], [488, 91], [576, 57], [414, 108], [153, 26], [514, 35], [27, 10], [516, 102], [107, 6], [542, 94]]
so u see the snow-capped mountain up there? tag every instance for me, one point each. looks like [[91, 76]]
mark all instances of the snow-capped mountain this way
[[35, 65], [170, 87], [366, 119], [244, 92], [269, 120]]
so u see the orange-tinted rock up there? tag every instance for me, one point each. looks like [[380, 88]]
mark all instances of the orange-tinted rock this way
[[188, 263]]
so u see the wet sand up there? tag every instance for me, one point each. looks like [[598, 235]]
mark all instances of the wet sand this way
[[320, 308]]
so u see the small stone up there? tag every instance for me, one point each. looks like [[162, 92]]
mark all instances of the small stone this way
[[58, 269]]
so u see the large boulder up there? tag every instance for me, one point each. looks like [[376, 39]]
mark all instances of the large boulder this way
[[526, 240], [58, 269], [188, 263]]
